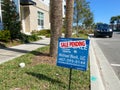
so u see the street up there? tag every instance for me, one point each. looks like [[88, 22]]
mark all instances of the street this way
[[111, 49]]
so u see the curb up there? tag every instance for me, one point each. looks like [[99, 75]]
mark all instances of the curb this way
[[106, 78], [96, 80]]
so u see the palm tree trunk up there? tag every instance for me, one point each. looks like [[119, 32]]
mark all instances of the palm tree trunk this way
[[69, 17], [56, 24]]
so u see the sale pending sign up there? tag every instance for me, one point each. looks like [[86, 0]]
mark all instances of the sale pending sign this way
[[73, 53]]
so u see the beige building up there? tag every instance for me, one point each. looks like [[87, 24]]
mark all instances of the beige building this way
[[34, 15]]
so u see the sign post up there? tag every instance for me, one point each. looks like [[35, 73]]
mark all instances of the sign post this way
[[73, 54], [70, 78]]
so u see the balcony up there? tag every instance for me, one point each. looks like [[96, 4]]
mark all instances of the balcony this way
[[27, 2]]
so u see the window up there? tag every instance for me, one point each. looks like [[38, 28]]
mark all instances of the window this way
[[41, 19]]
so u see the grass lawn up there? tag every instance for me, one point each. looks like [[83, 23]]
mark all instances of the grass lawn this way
[[40, 73]]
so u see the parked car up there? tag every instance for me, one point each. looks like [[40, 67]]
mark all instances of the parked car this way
[[103, 30]]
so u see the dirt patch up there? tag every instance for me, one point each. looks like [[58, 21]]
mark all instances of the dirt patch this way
[[43, 58]]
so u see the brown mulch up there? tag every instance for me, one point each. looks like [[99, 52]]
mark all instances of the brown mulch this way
[[43, 58]]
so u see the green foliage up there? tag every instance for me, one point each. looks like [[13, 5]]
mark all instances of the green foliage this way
[[47, 35], [42, 32], [86, 31], [115, 22], [63, 29], [28, 38], [4, 35], [33, 38], [83, 34], [88, 21], [5, 40], [82, 13], [11, 18]]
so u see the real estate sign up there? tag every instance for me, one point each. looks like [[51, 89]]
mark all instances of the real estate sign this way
[[73, 53]]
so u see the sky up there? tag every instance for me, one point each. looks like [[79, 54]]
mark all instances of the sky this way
[[103, 10]]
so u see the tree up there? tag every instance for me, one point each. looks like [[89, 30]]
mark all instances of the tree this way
[[69, 17], [56, 25], [88, 20], [115, 21], [118, 22], [11, 18], [112, 21], [82, 13]]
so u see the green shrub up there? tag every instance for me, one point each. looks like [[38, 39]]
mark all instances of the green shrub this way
[[23, 37], [82, 31], [86, 31], [63, 30], [28, 38], [42, 32], [5, 35], [33, 38], [47, 35], [34, 32]]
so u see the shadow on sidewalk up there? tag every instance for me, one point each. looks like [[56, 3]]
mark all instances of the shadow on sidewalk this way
[[8, 53], [17, 50], [21, 50]]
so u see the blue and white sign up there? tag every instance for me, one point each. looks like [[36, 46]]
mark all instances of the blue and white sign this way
[[73, 53]]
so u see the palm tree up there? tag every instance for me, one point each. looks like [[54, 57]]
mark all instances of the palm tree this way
[[69, 18], [118, 22], [115, 22], [56, 24], [112, 21]]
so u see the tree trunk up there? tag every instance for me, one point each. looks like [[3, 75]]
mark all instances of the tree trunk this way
[[56, 25], [77, 30], [69, 17]]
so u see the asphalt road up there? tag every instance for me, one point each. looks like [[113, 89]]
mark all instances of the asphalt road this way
[[111, 50]]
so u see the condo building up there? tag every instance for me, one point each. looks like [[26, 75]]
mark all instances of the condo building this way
[[34, 14]]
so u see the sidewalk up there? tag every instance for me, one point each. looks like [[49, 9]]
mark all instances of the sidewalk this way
[[102, 75], [16, 51]]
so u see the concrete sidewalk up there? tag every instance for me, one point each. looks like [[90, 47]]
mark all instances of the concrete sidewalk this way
[[103, 76], [16, 51]]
